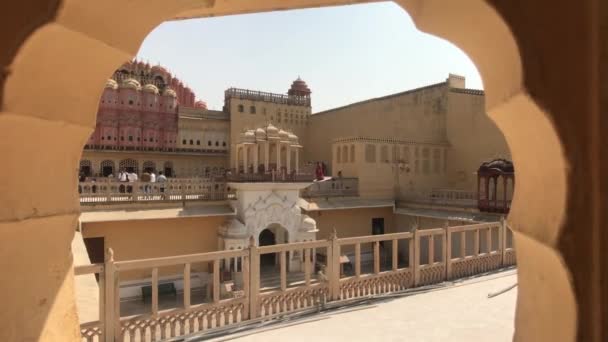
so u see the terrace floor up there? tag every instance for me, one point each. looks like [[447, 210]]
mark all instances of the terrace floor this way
[[458, 313]]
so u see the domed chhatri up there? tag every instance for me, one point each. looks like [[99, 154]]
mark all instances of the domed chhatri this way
[[249, 136], [130, 83], [111, 84], [272, 131], [200, 105], [299, 88], [169, 92], [150, 88], [260, 134]]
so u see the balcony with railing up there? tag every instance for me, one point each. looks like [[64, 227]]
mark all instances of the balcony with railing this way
[[108, 191], [170, 150], [333, 272], [335, 187], [269, 177]]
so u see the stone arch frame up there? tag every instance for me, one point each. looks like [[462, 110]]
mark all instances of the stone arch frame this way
[[107, 163], [531, 86], [149, 164], [85, 165], [129, 162]]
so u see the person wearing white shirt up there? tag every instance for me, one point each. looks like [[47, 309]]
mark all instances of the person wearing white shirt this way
[[152, 177], [132, 177]]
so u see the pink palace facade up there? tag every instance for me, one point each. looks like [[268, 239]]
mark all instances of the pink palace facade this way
[[138, 110]]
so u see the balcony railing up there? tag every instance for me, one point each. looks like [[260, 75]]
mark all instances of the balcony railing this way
[[155, 149], [269, 177], [334, 271], [336, 187], [107, 191], [448, 197]]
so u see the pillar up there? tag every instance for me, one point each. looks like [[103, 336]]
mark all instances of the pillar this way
[[266, 155], [236, 158], [297, 160], [288, 156], [245, 164], [278, 156], [256, 148]]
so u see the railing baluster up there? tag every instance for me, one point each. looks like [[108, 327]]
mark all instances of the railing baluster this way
[[448, 251], [358, 260], [431, 249], [307, 266], [187, 286], [476, 243], [489, 240], [155, 291], [283, 265], [463, 243], [376, 257], [395, 255], [216, 280]]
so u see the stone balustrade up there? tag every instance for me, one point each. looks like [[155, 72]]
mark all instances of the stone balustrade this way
[[332, 270], [109, 191], [336, 187]]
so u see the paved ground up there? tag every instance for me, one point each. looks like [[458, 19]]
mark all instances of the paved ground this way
[[459, 313]]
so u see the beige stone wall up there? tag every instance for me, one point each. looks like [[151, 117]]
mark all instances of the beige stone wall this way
[[184, 165], [295, 119], [415, 115], [157, 238], [474, 137], [204, 133]]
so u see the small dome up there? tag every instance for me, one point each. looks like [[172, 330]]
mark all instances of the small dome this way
[[283, 135], [249, 136], [169, 92], [200, 105], [271, 130], [292, 137], [299, 88], [497, 166], [260, 133], [150, 88], [308, 224], [159, 69], [111, 84], [130, 83]]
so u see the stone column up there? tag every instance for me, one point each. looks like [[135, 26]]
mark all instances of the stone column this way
[[256, 148], [297, 166], [245, 165], [236, 158], [288, 156], [266, 155], [278, 157]]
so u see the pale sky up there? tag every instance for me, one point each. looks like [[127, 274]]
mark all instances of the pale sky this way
[[345, 54]]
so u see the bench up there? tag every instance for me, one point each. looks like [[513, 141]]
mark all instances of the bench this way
[[163, 289]]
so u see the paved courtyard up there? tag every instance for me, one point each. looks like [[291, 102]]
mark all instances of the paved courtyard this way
[[460, 313]]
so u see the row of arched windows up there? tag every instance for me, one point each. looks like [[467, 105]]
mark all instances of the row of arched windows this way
[[198, 143], [427, 160], [345, 154]]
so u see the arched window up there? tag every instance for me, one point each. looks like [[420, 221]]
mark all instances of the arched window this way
[[191, 142], [107, 167], [85, 168], [217, 143], [352, 153], [209, 143], [224, 144], [426, 167], [370, 153], [129, 165], [184, 142], [436, 160], [384, 154], [252, 109], [241, 108], [198, 142], [345, 154], [149, 166]]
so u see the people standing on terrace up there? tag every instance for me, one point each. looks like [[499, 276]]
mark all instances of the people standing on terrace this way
[[319, 172]]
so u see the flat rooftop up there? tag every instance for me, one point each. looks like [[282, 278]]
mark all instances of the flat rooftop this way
[[459, 313]]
